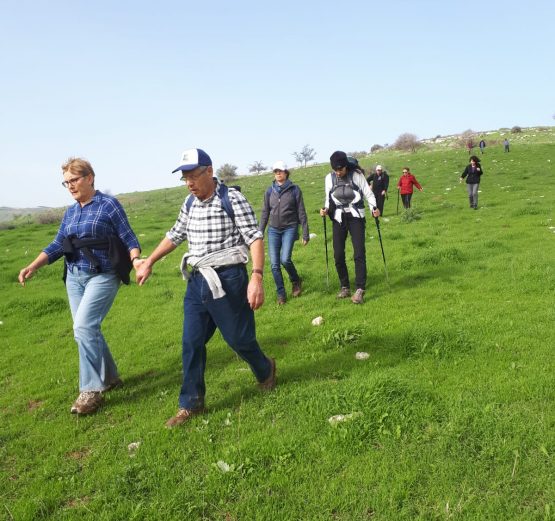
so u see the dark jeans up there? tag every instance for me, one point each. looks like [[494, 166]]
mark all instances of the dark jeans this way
[[380, 201], [406, 200], [355, 227], [232, 315]]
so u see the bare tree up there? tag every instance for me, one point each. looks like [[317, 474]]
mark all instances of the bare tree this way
[[227, 172], [257, 166], [406, 141], [305, 155]]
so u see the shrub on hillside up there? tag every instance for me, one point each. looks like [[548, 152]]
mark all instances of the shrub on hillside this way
[[49, 217], [407, 142], [357, 155], [516, 129], [375, 148]]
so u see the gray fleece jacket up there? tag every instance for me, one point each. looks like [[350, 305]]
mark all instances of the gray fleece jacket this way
[[283, 208]]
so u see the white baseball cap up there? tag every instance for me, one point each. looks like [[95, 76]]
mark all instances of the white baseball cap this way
[[280, 165]]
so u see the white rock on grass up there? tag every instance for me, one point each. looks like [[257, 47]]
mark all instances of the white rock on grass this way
[[313, 236], [361, 355], [340, 418], [318, 321]]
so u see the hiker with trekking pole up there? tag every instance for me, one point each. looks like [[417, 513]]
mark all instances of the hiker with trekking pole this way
[[379, 184], [345, 189], [405, 184]]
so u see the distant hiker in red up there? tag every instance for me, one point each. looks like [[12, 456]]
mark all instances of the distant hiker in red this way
[[405, 185]]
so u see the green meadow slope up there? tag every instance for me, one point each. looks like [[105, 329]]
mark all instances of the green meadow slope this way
[[451, 416]]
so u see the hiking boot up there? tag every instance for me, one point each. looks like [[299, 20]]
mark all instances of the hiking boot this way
[[281, 300], [87, 402], [118, 382], [358, 296], [296, 289], [182, 416], [344, 292], [270, 382]]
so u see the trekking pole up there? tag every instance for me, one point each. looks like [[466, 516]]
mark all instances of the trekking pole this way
[[398, 192], [381, 245], [327, 261]]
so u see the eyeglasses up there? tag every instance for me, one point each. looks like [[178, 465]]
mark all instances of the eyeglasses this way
[[72, 181], [278, 171], [192, 177]]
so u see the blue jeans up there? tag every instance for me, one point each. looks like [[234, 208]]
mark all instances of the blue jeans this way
[[90, 297], [232, 315], [280, 248]]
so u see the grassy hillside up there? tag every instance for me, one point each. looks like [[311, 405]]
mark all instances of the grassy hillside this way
[[451, 417]]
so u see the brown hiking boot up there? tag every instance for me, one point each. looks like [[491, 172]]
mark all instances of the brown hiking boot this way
[[358, 296], [296, 289], [182, 416], [87, 402], [270, 382], [344, 292], [118, 382], [281, 300]]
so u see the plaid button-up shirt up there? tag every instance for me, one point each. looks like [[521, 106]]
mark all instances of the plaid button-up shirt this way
[[102, 217], [208, 228]]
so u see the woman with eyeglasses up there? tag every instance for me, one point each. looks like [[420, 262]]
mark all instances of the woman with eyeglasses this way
[[405, 184], [284, 209], [99, 248]]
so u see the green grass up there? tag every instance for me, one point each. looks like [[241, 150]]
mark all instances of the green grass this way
[[451, 416]]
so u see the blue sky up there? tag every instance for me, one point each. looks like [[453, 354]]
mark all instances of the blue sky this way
[[130, 84]]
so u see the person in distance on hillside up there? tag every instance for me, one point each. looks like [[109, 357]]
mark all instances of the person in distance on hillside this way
[[405, 185], [473, 172], [506, 145], [220, 227], [379, 184], [482, 145], [284, 208], [100, 248], [345, 188]]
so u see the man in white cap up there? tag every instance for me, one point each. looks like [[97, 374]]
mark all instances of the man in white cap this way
[[379, 183], [220, 227]]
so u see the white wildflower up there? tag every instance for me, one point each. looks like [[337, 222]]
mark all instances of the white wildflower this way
[[361, 355], [132, 447], [313, 236], [223, 466], [385, 219], [318, 321]]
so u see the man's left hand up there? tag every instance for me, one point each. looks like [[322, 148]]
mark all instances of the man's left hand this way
[[255, 292]]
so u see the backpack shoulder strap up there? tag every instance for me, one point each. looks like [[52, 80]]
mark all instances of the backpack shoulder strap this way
[[222, 193]]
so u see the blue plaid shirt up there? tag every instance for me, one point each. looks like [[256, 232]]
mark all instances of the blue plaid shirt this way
[[102, 217]]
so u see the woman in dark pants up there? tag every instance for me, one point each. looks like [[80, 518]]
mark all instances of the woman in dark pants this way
[[345, 189], [405, 184]]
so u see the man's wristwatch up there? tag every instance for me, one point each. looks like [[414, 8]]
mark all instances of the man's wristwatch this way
[[260, 272]]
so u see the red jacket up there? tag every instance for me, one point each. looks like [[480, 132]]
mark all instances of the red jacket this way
[[405, 184]]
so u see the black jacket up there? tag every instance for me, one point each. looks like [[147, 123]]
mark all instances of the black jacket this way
[[472, 176], [379, 182]]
